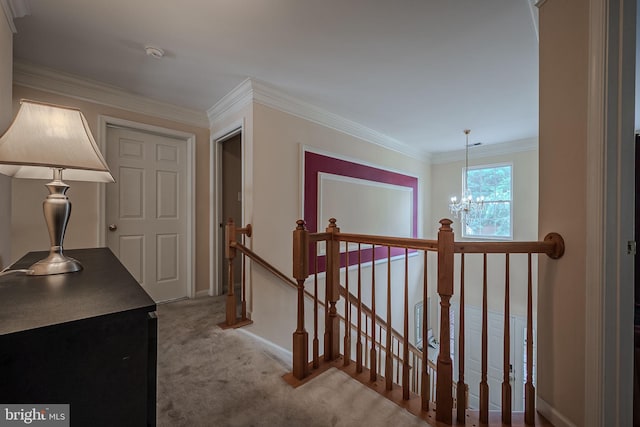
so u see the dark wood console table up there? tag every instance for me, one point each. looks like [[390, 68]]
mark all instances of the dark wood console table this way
[[88, 339]]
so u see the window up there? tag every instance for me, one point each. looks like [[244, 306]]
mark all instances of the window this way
[[494, 184]]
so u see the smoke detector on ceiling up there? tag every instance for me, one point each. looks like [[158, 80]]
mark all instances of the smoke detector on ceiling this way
[[154, 52]]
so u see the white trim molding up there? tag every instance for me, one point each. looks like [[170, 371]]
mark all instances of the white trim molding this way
[[594, 352], [14, 9], [231, 103], [58, 82], [216, 234], [608, 395], [252, 90], [533, 9], [281, 353], [203, 293], [190, 140], [552, 414], [489, 150]]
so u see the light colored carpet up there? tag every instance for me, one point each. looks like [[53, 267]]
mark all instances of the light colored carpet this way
[[213, 377]]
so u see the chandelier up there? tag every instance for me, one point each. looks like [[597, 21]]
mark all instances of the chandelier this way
[[467, 208]]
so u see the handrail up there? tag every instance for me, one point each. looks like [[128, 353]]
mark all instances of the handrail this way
[[382, 324], [553, 246], [397, 242], [379, 320], [352, 298], [433, 381], [410, 357], [265, 264]]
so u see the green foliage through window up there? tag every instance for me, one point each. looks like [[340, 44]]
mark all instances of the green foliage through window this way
[[494, 185]]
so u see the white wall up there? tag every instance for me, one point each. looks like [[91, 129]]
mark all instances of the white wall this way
[[276, 203], [564, 64], [6, 114], [273, 204], [447, 181], [585, 351]]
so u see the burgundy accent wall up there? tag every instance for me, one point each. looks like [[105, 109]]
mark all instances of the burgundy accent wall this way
[[314, 164]]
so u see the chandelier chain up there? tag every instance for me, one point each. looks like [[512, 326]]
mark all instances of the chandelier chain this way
[[468, 209]]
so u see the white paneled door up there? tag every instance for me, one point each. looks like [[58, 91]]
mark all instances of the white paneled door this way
[[146, 209], [495, 355]]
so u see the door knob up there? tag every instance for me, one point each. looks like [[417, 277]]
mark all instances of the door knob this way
[[113, 227]]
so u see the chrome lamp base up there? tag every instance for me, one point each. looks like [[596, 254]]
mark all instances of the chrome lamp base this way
[[57, 209], [55, 263]]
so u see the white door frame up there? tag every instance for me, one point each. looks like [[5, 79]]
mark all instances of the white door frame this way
[[189, 139], [608, 395], [215, 197]]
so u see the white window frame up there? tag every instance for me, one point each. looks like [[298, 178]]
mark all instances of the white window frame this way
[[490, 237]]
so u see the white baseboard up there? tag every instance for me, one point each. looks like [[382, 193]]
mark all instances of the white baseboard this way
[[285, 355], [552, 414], [202, 293]]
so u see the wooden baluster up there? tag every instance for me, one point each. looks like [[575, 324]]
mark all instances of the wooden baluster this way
[[433, 385], [405, 343], [347, 311], [417, 373], [379, 342], [359, 343], [412, 365], [529, 389], [316, 341], [230, 254], [244, 287], [300, 273], [444, 378], [388, 369], [373, 373], [332, 285], [506, 384], [484, 386], [397, 353], [366, 340], [462, 388], [425, 390]]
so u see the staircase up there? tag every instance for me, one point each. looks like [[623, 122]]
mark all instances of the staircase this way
[[359, 288]]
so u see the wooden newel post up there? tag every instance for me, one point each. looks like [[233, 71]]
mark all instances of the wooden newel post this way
[[332, 321], [300, 273], [444, 379], [230, 254]]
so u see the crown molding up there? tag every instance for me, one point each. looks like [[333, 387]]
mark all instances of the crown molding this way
[[14, 9], [58, 82], [533, 10], [231, 103], [9, 15], [489, 150], [252, 90]]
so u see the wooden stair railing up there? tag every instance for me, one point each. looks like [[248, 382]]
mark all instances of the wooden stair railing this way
[[384, 349], [392, 347], [395, 337], [231, 246], [370, 352]]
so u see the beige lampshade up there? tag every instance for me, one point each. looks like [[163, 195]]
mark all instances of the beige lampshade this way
[[43, 136]]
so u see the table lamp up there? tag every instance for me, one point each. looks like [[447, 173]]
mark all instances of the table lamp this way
[[45, 140]]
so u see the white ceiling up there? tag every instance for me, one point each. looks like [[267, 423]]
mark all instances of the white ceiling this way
[[419, 71]]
